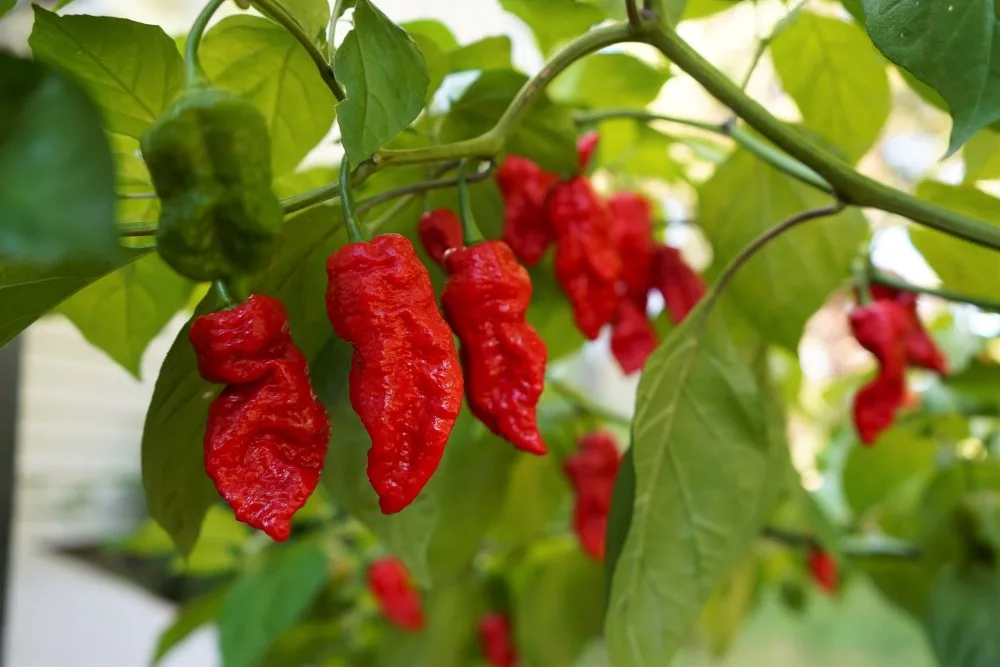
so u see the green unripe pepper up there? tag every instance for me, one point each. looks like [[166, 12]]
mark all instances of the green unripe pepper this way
[[210, 160]]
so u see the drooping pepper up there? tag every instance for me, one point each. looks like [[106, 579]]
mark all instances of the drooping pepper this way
[[633, 337], [267, 433], [881, 328], [397, 597], [496, 640], [823, 568], [524, 186], [439, 231], [586, 145], [921, 350], [210, 161], [680, 286], [591, 471]]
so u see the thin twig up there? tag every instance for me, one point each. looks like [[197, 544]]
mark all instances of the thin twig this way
[[634, 19], [851, 547], [422, 186]]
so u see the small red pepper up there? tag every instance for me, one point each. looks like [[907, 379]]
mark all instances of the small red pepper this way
[[439, 231], [486, 301], [824, 569], [881, 328], [633, 337], [397, 597], [921, 351], [524, 186], [680, 286], [496, 640], [406, 381], [267, 433], [592, 471], [586, 144]]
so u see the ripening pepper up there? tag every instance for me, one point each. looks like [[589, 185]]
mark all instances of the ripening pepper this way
[[921, 350], [267, 433], [592, 471], [881, 328], [397, 597], [633, 337], [440, 231], [680, 286], [210, 161], [823, 568], [524, 186], [496, 640], [405, 381], [486, 301]]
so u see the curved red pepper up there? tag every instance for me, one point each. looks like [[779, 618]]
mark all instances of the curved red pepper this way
[[406, 382], [389, 581], [591, 471], [524, 185], [496, 640], [921, 350], [824, 569], [632, 234], [267, 433], [881, 328], [680, 286], [486, 300], [586, 145], [440, 231], [633, 337]]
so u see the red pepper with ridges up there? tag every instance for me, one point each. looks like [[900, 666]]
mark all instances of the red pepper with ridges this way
[[439, 232], [680, 286], [881, 328], [921, 350], [824, 569], [267, 433], [397, 597], [592, 471], [496, 640], [633, 337], [524, 186], [632, 234]]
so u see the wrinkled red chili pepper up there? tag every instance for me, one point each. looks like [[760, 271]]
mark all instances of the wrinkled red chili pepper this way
[[524, 185], [921, 350], [405, 382], [267, 433], [680, 286], [633, 337], [586, 144], [591, 471], [881, 328], [397, 597], [486, 300], [496, 640], [824, 569], [439, 231]]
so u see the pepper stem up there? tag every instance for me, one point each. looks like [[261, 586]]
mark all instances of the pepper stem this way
[[354, 233], [222, 294], [193, 73], [470, 232]]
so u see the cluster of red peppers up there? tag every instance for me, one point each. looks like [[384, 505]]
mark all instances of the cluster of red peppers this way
[[591, 472], [890, 329]]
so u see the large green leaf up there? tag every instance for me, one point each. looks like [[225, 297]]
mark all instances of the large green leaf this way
[[57, 184], [954, 47], [123, 311], [433, 30], [872, 474], [722, 618], [962, 266], [132, 70], [132, 177], [837, 79], [554, 21], [536, 490], [609, 80], [963, 617], [314, 15], [262, 62], [385, 78], [488, 53], [6, 6], [982, 157], [703, 455], [265, 602], [744, 198]]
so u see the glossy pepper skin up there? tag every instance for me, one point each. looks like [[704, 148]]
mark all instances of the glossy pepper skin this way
[[823, 568], [267, 433], [591, 471], [209, 157], [881, 328], [524, 186], [496, 640], [389, 581], [921, 350], [405, 381], [440, 231], [680, 286], [486, 301]]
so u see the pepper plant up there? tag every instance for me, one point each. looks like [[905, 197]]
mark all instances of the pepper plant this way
[[385, 494]]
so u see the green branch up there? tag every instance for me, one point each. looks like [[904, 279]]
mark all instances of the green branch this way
[[193, 72], [853, 548], [880, 278], [422, 186]]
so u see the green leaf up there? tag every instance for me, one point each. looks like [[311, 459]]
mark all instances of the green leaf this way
[[703, 458], [962, 266], [982, 157], [845, 98], [488, 53], [609, 80], [547, 134], [57, 188], [131, 177], [220, 549], [265, 602], [314, 15], [132, 70], [190, 617], [963, 617], [6, 6], [723, 615], [435, 31], [260, 61], [385, 78], [699, 9], [123, 311], [554, 21], [619, 518], [744, 198], [536, 489], [638, 151], [855, 9], [873, 474], [436, 61], [979, 380], [952, 47]]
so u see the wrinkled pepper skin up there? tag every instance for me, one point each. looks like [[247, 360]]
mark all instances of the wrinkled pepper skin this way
[[591, 471], [267, 433], [633, 337], [209, 157], [921, 350], [486, 301], [524, 186], [632, 233], [680, 286], [823, 568], [439, 231], [496, 640], [881, 328], [397, 597], [405, 380]]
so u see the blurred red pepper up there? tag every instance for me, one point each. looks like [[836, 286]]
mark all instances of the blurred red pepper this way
[[496, 640], [921, 351], [524, 186], [824, 569], [633, 337], [592, 471], [586, 145], [440, 231], [397, 597], [680, 286], [881, 328]]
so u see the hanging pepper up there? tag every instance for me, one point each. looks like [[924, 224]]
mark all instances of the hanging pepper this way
[[633, 338], [881, 328], [586, 145], [496, 640], [591, 471], [824, 569], [587, 266], [267, 433], [209, 158], [397, 597], [486, 301], [524, 185], [921, 351], [680, 286], [405, 381], [439, 232]]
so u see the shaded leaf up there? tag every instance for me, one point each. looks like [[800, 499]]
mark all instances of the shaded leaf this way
[[609, 80], [963, 617], [314, 15], [982, 157], [436, 31], [554, 21], [872, 474], [189, 618], [488, 53]]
